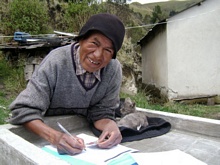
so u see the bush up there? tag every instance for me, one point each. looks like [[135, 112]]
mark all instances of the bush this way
[[26, 15]]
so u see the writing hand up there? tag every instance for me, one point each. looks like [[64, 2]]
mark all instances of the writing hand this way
[[63, 148], [63, 142], [70, 146]]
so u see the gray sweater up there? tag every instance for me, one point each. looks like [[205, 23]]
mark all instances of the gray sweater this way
[[54, 89]]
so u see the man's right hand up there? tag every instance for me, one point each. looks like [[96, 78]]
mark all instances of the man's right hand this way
[[65, 144]]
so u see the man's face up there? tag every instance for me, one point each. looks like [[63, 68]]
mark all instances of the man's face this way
[[96, 51]]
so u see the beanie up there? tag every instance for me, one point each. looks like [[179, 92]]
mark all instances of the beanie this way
[[109, 25]]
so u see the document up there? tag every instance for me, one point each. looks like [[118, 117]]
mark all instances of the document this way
[[118, 155]]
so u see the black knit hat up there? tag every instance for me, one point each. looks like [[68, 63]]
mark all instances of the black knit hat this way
[[109, 25]]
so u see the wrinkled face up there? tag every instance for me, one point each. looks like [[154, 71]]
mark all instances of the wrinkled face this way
[[96, 51]]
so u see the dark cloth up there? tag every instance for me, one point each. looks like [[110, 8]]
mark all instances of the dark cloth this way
[[156, 127]]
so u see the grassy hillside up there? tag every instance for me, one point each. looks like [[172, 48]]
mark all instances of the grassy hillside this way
[[166, 7]]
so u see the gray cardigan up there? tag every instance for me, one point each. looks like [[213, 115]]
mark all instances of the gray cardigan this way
[[54, 89]]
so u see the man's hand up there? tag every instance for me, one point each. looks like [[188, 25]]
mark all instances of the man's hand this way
[[65, 144], [111, 134]]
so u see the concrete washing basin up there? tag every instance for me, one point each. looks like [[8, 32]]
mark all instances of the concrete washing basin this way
[[19, 146]]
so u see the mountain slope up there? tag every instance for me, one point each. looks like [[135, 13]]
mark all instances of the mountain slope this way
[[166, 7]]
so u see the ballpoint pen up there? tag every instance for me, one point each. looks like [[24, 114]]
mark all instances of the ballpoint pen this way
[[67, 132]]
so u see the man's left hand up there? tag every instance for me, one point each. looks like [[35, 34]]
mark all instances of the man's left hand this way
[[111, 134]]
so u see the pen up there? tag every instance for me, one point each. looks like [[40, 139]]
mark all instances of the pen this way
[[67, 132]]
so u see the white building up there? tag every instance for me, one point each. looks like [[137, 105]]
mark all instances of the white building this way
[[182, 55]]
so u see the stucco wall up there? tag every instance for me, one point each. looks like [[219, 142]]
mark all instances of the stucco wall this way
[[184, 60], [154, 61], [194, 51]]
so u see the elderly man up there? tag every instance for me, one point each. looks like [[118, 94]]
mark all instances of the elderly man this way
[[83, 78]]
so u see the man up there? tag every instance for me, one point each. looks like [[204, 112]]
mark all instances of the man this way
[[82, 78]]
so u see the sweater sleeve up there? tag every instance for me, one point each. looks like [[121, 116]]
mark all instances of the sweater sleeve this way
[[33, 102], [106, 106]]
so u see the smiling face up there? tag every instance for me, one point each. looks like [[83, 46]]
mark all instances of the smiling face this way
[[96, 51]]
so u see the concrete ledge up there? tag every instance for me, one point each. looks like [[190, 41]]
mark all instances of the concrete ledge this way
[[204, 126], [71, 123], [15, 150], [19, 146]]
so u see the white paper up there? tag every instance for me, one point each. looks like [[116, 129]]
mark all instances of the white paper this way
[[173, 157], [97, 155]]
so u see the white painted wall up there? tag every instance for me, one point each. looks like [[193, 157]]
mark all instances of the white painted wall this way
[[154, 61], [186, 60]]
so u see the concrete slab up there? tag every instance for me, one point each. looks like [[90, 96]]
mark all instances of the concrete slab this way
[[203, 148], [196, 136], [16, 150]]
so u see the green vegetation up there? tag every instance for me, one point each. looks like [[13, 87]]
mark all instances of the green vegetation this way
[[173, 107], [26, 15], [41, 16], [4, 112], [11, 83], [166, 7], [76, 14]]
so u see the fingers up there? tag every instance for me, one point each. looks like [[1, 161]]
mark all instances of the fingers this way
[[81, 141], [104, 136], [108, 140], [70, 146], [65, 148]]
